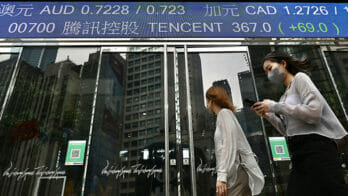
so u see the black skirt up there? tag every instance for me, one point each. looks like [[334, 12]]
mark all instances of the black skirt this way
[[316, 167]]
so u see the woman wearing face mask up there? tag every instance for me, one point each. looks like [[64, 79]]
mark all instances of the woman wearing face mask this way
[[303, 115], [238, 173]]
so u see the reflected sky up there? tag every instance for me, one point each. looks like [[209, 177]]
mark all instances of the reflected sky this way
[[76, 55], [4, 57], [221, 66]]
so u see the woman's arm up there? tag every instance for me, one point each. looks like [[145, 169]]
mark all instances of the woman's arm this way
[[227, 152], [276, 122], [311, 109]]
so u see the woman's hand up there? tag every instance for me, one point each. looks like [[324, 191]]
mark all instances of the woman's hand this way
[[261, 107], [221, 188]]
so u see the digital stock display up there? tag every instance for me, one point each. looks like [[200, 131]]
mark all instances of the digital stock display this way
[[171, 19]]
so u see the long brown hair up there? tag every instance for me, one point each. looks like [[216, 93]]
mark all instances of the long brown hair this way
[[219, 96], [293, 65]]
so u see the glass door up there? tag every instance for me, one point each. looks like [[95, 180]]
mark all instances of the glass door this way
[[199, 69], [336, 59], [129, 146], [48, 105], [8, 64]]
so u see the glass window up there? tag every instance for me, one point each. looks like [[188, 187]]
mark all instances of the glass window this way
[[143, 106], [151, 73], [133, 153], [110, 138], [142, 123], [150, 104], [129, 93], [136, 91], [136, 99], [158, 64], [144, 59], [142, 132], [141, 142], [231, 65], [338, 63], [143, 115], [151, 65], [137, 69], [151, 96], [150, 80], [7, 64], [158, 56], [151, 58], [144, 82], [135, 116], [135, 107], [143, 67], [143, 90], [135, 125], [134, 143], [130, 85], [150, 112], [130, 70], [149, 141], [150, 131], [144, 74], [129, 100]]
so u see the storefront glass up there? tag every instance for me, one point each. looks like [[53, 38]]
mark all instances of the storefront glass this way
[[119, 100], [50, 105]]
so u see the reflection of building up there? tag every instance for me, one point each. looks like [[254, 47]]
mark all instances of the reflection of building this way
[[40, 56], [6, 68], [197, 94], [108, 123], [249, 121], [143, 110], [33, 102], [226, 86]]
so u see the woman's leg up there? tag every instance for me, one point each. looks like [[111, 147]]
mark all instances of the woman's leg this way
[[241, 186], [317, 169]]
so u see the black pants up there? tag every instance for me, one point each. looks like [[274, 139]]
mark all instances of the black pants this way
[[316, 167]]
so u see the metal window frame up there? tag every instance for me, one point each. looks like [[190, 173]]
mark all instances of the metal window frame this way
[[37, 185]]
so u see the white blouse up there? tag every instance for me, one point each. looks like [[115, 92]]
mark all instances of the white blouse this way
[[303, 110], [232, 149]]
